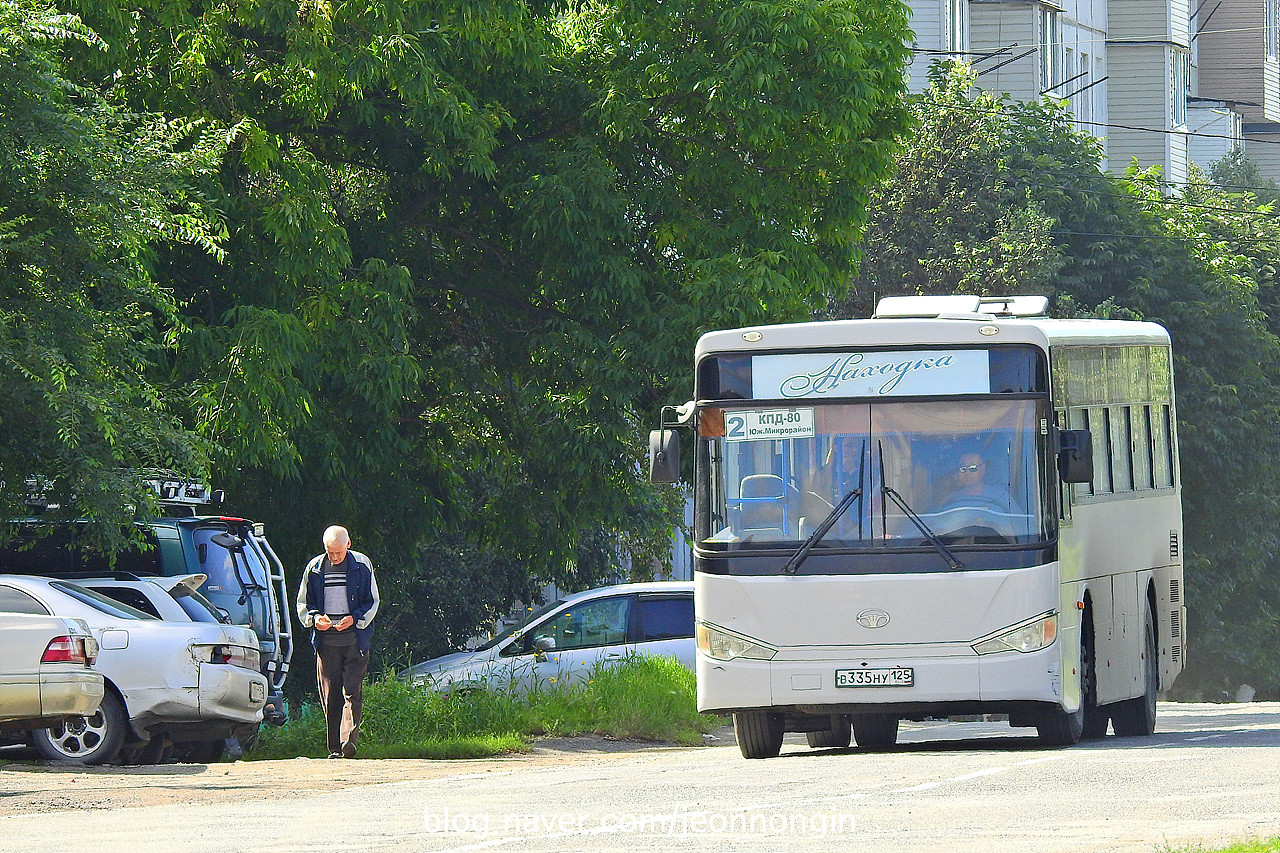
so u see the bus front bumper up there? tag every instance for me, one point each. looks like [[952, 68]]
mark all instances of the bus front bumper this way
[[941, 679]]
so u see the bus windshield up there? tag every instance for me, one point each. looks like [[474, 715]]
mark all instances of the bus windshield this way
[[971, 471]]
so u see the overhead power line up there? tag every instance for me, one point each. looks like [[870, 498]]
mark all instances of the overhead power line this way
[[1074, 120]]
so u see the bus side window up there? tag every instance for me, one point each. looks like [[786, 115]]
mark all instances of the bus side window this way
[[1121, 449], [1161, 447], [1099, 418], [1080, 419], [1142, 467]]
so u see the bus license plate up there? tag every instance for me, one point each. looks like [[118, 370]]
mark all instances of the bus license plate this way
[[900, 676]]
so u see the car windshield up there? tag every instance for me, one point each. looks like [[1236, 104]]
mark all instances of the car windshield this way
[[536, 614], [100, 602], [967, 469]]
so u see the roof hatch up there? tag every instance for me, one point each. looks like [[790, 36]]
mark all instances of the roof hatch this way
[[961, 307]]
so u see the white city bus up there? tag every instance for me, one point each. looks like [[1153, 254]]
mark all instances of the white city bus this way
[[958, 506]]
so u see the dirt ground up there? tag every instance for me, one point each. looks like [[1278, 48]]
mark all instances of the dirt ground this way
[[29, 786]]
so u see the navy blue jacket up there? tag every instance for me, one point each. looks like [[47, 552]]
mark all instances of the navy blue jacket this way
[[362, 596]]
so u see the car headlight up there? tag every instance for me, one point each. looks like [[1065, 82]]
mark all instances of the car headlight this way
[[719, 644], [1029, 636]]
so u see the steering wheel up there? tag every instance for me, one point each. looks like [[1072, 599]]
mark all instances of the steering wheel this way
[[975, 526], [975, 535]]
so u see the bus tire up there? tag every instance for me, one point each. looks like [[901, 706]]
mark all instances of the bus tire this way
[[1136, 717], [759, 733], [837, 736], [1060, 727], [875, 730], [1095, 718]]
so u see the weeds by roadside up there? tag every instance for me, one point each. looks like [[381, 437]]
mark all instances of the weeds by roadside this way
[[644, 698], [1268, 845]]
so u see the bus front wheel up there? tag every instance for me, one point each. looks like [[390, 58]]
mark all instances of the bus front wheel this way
[[759, 733], [1060, 727]]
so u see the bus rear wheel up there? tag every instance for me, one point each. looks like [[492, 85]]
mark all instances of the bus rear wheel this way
[[874, 730], [759, 733], [1136, 717], [838, 735]]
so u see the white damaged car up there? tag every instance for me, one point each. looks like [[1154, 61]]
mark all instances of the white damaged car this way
[[165, 682]]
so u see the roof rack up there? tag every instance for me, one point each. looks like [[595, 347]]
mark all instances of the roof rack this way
[[185, 492], [960, 306]]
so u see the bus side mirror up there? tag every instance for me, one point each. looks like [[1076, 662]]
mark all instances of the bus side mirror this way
[[664, 456], [1075, 456]]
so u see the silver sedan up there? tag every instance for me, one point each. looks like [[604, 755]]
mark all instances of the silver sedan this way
[[166, 682]]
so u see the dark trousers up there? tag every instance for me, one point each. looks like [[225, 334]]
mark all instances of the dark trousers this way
[[340, 676]]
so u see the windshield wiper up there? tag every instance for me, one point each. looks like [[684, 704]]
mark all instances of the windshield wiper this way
[[929, 535], [802, 553]]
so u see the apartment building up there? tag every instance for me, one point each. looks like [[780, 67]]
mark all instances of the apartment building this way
[[1159, 82], [1237, 58]]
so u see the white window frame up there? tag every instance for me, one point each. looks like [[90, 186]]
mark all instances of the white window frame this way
[[1050, 25], [957, 27], [1271, 28], [1180, 73]]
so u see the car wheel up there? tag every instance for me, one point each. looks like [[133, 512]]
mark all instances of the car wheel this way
[[95, 739], [158, 750], [199, 751]]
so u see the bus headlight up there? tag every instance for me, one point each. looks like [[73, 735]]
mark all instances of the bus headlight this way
[[719, 644], [1030, 636]]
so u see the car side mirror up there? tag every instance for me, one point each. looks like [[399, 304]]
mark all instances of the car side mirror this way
[[544, 644], [1075, 456], [664, 456]]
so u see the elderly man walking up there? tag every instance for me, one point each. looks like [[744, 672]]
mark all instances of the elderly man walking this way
[[338, 599]]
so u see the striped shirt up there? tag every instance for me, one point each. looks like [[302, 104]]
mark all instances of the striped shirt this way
[[335, 590]]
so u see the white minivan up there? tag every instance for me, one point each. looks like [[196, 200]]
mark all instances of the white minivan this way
[[564, 641]]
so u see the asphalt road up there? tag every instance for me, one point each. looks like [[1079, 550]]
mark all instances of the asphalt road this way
[[1207, 777]]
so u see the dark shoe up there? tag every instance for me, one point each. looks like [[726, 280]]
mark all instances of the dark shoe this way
[[335, 755], [348, 750]]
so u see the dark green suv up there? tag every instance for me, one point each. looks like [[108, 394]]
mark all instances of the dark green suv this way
[[245, 578]]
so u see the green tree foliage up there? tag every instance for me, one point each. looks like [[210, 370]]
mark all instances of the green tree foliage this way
[[954, 217], [1237, 174], [87, 193], [471, 243], [1201, 263]]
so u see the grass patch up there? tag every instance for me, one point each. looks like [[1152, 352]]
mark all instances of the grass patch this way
[[1268, 845], [643, 698]]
